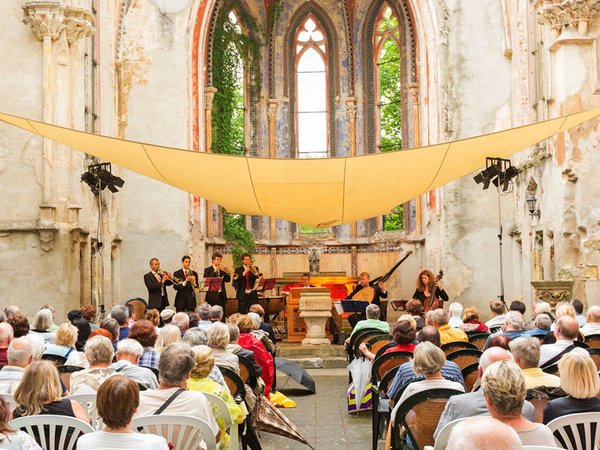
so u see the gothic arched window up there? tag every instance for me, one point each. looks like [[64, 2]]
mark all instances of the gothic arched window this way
[[310, 50]]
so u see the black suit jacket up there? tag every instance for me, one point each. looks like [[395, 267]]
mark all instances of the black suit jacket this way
[[379, 294], [155, 299], [185, 299], [217, 298], [240, 283]]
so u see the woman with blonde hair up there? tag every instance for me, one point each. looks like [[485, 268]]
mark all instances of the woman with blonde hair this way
[[40, 392], [199, 381], [471, 322], [66, 337], [170, 334], [579, 379], [218, 340]]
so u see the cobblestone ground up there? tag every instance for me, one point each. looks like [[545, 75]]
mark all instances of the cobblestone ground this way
[[322, 418]]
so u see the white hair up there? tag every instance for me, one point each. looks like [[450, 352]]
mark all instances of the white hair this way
[[493, 354], [255, 319], [38, 345], [130, 347], [483, 432], [514, 319], [455, 309], [20, 351]]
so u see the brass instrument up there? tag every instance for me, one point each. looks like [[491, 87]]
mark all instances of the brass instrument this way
[[255, 271], [170, 277], [195, 286], [227, 270]]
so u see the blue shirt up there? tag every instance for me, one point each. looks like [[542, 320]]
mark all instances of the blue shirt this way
[[123, 333], [405, 373], [536, 332]]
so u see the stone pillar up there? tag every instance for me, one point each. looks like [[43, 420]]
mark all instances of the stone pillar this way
[[315, 309], [413, 90], [47, 21], [272, 113], [351, 113], [212, 226]]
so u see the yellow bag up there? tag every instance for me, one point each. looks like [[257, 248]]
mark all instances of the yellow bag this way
[[280, 400]]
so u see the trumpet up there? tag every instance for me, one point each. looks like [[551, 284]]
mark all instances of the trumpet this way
[[170, 277], [255, 271], [227, 270], [195, 286]]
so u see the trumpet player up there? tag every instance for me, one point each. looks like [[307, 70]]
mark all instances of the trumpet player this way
[[185, 299], [217, 270], [156, 283], [246, 277]]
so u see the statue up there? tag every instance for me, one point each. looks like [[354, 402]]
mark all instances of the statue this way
[[314, 254]]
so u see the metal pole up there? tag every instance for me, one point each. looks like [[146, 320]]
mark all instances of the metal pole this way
[[501, 296]]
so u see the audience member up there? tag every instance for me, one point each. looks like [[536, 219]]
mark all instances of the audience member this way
[[195, 336], [20, 355], [263, 336], [541, 326], [153, 316], [205, 314], [144, 332], [99, 353], [166, 316], [66, 336], [74, 314], [42, 321], [504, 391], [566, 332], [2, 316], [472, 403], [117, 401], [579, 379], [169, 334], [404, 336], [235, 348], [526, 351], [11, 310], [182, 321], [542, 307], [497, 320], [471, 321], [19, 324], [498, 340], [456, 310], [128, 355], [262, 356], [6, 336], [218, 340], [428, 361], [406, 373], [372, 321], [194, 319], [83, 333], [512, 328], [112, 326], [563, 308], [578, 307], [415, 308], [40, 392], [37, 344], [175, 365], [53, 327], [199, 381], [216, 313], [483, 433], [593, 321], [89, 313], [518, 306], [13, 439], [447, 334], [121, 314], [266, 327]]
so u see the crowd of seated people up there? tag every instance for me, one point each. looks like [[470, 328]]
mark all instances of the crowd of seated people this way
[[519, 361], [132, 367]]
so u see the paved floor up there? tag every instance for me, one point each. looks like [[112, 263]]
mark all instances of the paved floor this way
[[322, 418]]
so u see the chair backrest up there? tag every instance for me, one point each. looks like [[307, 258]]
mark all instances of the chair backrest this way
[[386, 381], [540, 447], [219, 408], [247, 371], [462, 358], [88, 402], [470, 375], [352, 347], [552, 370], [234, 382], [56, 359], [595, 354], [378, 342], [478, 339], [444, 434], [593, 340], [387, 362], [365, 336], [383, 349], [457, 345], [420, 414], [52, 432], [577, 431], [185, 433]]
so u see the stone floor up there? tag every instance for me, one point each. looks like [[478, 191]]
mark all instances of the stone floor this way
[[322, 418]]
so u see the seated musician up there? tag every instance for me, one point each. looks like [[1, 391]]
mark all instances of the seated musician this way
[[426, 283], [306, 280], [371, 294]]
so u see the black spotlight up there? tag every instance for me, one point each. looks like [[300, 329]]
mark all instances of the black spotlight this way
[[498, 171], [99, 177]]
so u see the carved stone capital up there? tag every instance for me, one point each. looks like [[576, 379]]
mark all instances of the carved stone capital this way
[[78, 23], [47, 18], [553, 291], [209, 95], [351, 107], [576, 14], [413, 91], [272, 108]]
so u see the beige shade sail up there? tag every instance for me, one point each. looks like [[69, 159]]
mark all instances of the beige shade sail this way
[[315, 192]]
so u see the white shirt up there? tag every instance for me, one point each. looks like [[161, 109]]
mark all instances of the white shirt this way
[[549, 351], [455, 322], [101, 440], [495, 322], [590, 328]]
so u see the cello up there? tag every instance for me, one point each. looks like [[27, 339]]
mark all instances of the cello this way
[[433, 301]]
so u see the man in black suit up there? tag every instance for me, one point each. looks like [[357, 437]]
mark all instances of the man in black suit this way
[[247, 275], [212, 271], [185, 299], [379, 293], [157, 283]]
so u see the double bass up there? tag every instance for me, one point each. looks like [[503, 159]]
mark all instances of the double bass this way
[[433, 301]]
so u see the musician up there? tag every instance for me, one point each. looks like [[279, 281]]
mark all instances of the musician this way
[[157, 283], [212, 271], [185, 299], [379, 292], [247, 275], [426, 282], [306, 280]]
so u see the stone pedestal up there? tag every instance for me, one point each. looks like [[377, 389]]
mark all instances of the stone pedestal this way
[[315, 309]]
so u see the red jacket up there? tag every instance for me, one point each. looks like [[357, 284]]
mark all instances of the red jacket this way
[[263, 358]]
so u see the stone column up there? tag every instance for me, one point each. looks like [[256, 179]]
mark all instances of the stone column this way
[[212, 228], [47, 21], [315, 309], [272, 113], [351, 113], [413, 90]]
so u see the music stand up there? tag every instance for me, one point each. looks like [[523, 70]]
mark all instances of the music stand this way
[[212, 284], [266, 284], [354, 306], [399, 305]]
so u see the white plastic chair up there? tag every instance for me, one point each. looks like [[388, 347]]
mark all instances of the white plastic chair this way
[[580, 427], [185, 433], [442, 437], [218, 403], [88, 402], [52, 432], [540, 447]]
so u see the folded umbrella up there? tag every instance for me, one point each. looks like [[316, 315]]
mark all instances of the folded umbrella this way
[[294, 370]]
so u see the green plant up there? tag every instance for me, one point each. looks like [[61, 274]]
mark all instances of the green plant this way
[[236, 234]]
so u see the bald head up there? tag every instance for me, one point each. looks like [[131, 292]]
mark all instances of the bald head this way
[[182, 320], [490, 356], [567, 327], [20, 352], [6, 334], [485, 433], [593, 314]]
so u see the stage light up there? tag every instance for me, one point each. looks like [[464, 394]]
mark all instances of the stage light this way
[[99, 176]]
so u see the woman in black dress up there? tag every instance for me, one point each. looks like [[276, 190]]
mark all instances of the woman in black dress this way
[[425, 285]]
